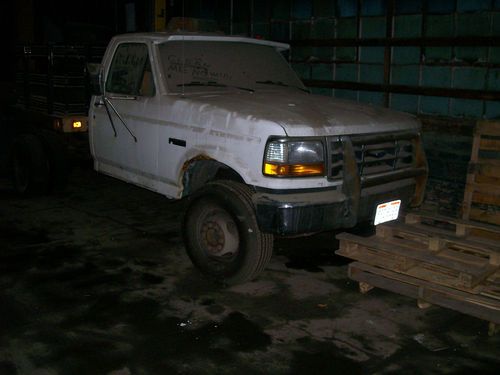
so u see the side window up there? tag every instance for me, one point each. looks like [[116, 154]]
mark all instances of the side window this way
[[130, 72]]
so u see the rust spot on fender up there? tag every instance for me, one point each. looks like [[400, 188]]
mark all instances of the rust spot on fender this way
[[186, 165]]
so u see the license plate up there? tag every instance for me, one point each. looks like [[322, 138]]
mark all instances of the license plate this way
[[387, 211]]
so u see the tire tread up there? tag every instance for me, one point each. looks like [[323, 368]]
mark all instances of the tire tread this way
[[264, 240]]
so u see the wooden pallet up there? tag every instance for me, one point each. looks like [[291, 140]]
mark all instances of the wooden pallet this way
[[482, 191], [482, 234], [425, 292], [430, 248], [438, 260]]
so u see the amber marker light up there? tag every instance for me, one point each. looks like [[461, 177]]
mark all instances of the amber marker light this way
[[295, 170], [77, 124]]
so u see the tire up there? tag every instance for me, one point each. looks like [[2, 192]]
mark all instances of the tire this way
[[59, 161], [30, 166], [222, 236]]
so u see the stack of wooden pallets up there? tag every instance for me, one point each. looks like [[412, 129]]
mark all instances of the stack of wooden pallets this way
[[454, 263], [482, 192]]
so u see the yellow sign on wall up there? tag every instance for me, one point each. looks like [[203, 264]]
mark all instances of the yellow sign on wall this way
[[160, 15]]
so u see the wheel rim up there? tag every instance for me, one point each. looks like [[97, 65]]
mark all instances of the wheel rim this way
[[218, 234]]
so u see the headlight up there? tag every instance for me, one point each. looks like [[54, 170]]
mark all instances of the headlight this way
[[294, 158]]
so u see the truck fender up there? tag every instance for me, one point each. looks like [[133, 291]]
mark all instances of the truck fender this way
[[201, 170]]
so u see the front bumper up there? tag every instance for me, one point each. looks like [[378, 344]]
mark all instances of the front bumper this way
[[303, 212]]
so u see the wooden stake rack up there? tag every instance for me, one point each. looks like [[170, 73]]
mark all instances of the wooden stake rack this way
[[437, 260]]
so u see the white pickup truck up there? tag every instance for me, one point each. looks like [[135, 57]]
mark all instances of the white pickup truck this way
[[226, 121]]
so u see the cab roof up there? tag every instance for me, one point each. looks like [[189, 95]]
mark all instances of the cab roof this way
[[163, 37]]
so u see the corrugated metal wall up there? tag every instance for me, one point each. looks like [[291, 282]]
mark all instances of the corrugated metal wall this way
[[435, 44], [420, 56]]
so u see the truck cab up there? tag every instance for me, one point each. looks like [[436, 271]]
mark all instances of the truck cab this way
[[225, 122]]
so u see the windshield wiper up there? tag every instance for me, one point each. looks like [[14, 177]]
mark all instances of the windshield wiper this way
[[279, 83], [212, 84], [198, 83]]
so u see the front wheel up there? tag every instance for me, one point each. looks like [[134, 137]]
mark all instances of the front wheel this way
[[222, 236]]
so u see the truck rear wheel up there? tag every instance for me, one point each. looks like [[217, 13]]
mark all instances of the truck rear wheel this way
[[58, 158], [30, 166], [222, 236]]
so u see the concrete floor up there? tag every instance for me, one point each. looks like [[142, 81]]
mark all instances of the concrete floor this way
[[96, 281]]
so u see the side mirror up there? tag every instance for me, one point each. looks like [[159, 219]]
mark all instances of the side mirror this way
[[94, 76]]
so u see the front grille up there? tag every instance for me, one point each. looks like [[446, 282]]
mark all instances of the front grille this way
[[374, 154]]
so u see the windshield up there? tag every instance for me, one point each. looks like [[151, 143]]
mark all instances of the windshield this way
[[191, 64]]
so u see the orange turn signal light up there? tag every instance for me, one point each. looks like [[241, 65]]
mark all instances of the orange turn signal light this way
[[76, 124], [294, 170]]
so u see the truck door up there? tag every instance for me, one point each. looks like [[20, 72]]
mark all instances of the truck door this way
[[124, 134]]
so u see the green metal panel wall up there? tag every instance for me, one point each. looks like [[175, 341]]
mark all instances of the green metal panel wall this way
[[314, 27], [444, 67]]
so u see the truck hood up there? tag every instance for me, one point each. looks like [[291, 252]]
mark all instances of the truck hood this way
[[303, 114]]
